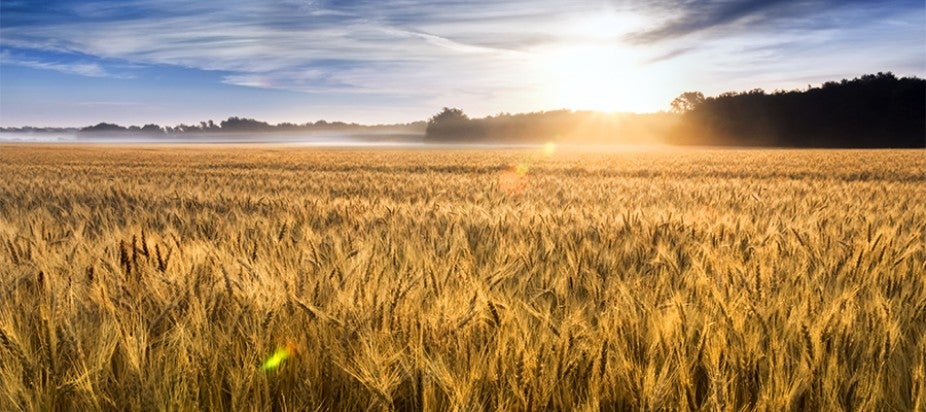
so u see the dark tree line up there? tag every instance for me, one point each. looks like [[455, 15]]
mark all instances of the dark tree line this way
[[878, 110]]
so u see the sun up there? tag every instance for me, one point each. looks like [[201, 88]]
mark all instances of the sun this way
[[582, 77], [600, 77], [592, 68]]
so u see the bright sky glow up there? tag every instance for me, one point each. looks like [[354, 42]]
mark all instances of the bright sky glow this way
[[73, 63]]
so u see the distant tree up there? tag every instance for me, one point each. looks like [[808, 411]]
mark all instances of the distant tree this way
[[451, 123], [237, 124], [687, 102], [152, 129], [208, 126], [104, 128], [448, 115], [183, 128]]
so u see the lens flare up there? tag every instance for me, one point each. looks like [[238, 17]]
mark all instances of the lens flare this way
[[281, 354], [549, 149], [514, 179]]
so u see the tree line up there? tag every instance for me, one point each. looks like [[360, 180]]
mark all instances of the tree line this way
[[876, 110], [246, 125]]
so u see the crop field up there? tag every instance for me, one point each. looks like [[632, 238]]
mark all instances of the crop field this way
[[284, 278]]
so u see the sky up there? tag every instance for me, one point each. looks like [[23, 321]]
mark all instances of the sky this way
[[76, 63]]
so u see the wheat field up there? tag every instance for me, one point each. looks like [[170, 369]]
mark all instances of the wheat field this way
[[162, 278]]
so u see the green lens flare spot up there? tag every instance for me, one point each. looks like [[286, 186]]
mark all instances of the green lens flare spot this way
[[275, 360]]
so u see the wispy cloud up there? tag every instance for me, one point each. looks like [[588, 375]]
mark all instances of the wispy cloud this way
[[448, 43], [77, 68], [405, 48]]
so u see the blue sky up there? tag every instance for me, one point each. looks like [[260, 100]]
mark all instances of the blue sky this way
[[74, 63]]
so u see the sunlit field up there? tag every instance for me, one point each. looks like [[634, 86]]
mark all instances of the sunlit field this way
[[167, 278]]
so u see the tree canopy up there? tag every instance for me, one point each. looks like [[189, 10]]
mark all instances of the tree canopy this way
[[875, 110]]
